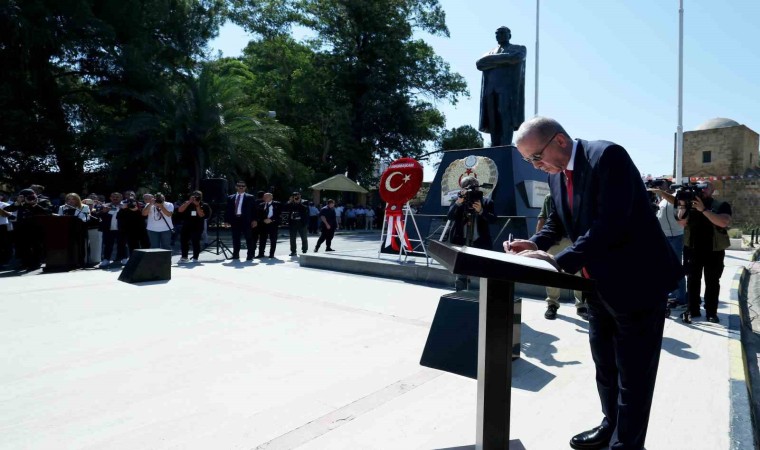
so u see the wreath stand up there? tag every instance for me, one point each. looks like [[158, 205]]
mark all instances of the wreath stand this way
[[398, 231]]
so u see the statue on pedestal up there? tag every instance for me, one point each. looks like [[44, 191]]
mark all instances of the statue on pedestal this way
[[502, 98]]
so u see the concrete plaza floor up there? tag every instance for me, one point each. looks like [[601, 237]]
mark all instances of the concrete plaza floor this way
[[271, 355]]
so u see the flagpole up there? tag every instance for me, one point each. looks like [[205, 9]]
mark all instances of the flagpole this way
[[535, 101], [679, 130]]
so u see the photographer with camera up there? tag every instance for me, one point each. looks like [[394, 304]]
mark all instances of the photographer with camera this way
[[471, 215], [29, 248], [194, 213], [159, 222], [109, 226], [673, 229], [131, 224], [5, 233], [73, 206], [298, 221], [706, 222]]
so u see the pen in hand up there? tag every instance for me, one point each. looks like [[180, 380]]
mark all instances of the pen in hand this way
[[509, 242]]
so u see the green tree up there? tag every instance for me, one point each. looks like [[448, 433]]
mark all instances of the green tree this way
[[374, 84], [459, 138]]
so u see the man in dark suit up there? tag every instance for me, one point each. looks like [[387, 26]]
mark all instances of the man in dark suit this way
[[240, 216], [602, 205], [269, 221]]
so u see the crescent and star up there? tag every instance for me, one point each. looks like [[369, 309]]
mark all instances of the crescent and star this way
[[390, 177]]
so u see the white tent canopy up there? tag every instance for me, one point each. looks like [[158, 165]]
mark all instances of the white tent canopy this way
[[340, 183]]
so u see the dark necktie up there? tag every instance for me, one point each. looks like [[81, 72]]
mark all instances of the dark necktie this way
[[569, 178], [237, 204]]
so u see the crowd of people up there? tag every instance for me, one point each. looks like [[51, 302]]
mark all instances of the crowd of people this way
[[114, 227]]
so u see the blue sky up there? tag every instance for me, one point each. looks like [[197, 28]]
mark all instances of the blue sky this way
[[608, 69]]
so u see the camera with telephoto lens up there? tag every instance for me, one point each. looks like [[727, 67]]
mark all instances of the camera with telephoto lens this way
[[471, 195], [685, 195], [160, 198], [131, 203]]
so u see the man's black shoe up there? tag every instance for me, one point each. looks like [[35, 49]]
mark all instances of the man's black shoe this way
[[235, 257], [583, 312], [316, 249], [304, 250], [250, 258], [593, 439], [712, 318], [329, 249], [551, 312], [260, 256], [293, 254]]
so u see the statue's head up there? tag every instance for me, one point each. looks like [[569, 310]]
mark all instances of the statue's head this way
[[503, 35]]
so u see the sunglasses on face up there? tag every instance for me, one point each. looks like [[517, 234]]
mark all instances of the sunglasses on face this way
[[536, 157]]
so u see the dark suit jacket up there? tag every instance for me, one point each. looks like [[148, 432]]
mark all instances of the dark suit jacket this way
[[615, 235], [246, 210], [482, 220], [276, 213]]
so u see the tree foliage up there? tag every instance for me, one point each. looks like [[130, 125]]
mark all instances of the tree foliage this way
[[362, 87]]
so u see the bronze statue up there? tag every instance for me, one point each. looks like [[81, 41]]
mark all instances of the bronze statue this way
[[502, 98]]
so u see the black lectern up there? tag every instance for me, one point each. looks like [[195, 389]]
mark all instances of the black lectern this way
[[64, 242], [498, 273]]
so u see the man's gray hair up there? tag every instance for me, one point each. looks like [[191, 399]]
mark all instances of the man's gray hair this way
[[541, 127]]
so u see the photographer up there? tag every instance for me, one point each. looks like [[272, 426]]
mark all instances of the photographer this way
[[29, 249], [109, 225], [706, 222], [194, 213], [471, 215], [298, 217], [159, 222], [131, 223], [673, 229], [73, 206]]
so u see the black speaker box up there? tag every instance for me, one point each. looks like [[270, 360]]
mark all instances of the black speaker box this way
[[214, 190], [152, 264], [452, 344]]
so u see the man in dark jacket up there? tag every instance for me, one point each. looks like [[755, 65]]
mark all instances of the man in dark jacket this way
[[241, 217], [471, 215], [269, 221], [298, 221]]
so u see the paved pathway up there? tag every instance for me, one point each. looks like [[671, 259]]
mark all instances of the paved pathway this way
[[274, 356]]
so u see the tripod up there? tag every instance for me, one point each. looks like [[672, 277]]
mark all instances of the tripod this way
[[221, 247]]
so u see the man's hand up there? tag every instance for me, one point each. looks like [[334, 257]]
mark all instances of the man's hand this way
[[477, 206], [698, 204], [519, 245], [328, 227], [538, 254], [460, 198]]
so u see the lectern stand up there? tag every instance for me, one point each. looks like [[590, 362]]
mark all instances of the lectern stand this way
[[498, 274]]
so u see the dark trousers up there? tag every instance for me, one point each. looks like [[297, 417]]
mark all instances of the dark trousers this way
[[327, 235], [111, 237], [711, 263], [5, 244], [132, 239], [29, 247], [241, 229], [187, 235], [313, 224], [626, 351], [295, 231], [267, 230]]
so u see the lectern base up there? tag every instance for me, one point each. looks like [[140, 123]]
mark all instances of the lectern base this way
[[452, 344]]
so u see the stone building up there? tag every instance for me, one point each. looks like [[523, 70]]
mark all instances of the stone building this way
[[726, 152]]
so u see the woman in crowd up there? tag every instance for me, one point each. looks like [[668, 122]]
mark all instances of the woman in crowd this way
[[194, 213]]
